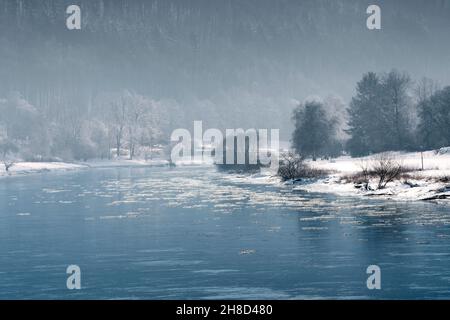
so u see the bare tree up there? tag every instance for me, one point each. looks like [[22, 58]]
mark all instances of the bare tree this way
[[6, 148], [424, 89], [291, 166], [136, 114], [386, 169], [133, 122], [118, 122], [8, 164]]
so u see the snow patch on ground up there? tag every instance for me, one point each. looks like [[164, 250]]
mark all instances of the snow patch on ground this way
[[398, 190], [433, 162], [23, 168]]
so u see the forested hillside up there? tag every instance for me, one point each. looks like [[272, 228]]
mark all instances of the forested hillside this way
[[229, 63]]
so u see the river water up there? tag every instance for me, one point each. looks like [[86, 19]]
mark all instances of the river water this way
[[194, 233]]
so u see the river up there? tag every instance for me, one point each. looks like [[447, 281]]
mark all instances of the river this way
[[195, 233]]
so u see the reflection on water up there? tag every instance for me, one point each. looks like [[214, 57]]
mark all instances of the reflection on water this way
[[189, 232]]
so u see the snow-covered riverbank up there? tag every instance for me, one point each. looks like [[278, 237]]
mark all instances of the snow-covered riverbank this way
[[411, 190], [23, 168], [433, 182]]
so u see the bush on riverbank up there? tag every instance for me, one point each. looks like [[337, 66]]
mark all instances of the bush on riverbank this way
[[293, 166], [383, 169]]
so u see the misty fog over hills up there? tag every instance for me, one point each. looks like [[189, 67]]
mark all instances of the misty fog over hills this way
[[229, 63]]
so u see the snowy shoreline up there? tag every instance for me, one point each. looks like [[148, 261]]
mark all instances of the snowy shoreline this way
[[418, 190], [25, 168], [420, 185], [431, 183]]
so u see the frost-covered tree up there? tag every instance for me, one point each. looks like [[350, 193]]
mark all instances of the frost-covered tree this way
[[424, 89], [138, 113], [18, 117], [7, 149], [362, 112], [395, 111], [117, 122], [313, 130], [23, 123], [133, 121], [379, 114], [434, 116]]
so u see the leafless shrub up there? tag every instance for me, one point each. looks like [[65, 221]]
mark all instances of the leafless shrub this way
[[8, 164], [293, 166], [383, 167], [386, 169], [7, 149]]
